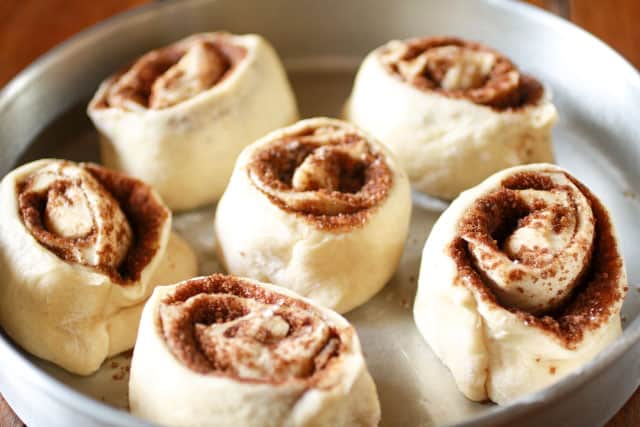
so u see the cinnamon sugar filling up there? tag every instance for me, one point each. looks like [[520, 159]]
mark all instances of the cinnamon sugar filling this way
[[222, 325], [597, 291], [329, 175], [167, 76], [144, 214], [462, 69]]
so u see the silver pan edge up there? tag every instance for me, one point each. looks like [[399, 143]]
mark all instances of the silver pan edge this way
[[72, 71]]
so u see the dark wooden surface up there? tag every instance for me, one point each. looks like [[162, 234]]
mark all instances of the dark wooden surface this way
[[7, 417], [28, 30]]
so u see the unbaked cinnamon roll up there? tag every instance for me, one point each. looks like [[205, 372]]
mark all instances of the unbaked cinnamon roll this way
[[319, 207], [81, 248], [225, 351], [179, 116], [521, 282], [453, 111]]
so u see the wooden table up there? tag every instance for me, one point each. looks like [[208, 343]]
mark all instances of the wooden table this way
[[27, 31]]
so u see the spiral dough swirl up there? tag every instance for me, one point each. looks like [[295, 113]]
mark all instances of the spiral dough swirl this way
[[92, 216], [226, 326], [461, 69], [542, 246], [168, 76], [330, 174]]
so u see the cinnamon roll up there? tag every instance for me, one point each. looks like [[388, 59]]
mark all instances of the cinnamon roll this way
[[453, 111], [179, 116], [81, 248], [521, 282], [319, 207], [226, 351]]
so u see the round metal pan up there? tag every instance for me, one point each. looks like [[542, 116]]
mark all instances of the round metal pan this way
[[597, 138]]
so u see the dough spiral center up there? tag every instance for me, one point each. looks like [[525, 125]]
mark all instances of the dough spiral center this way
[[168, 76], [326, 171], [460, 69], [532, 245], [542, 247], [223, 326], [69, 211], [93, 216]]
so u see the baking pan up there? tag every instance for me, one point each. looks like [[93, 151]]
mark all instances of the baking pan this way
[[42, 114]]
